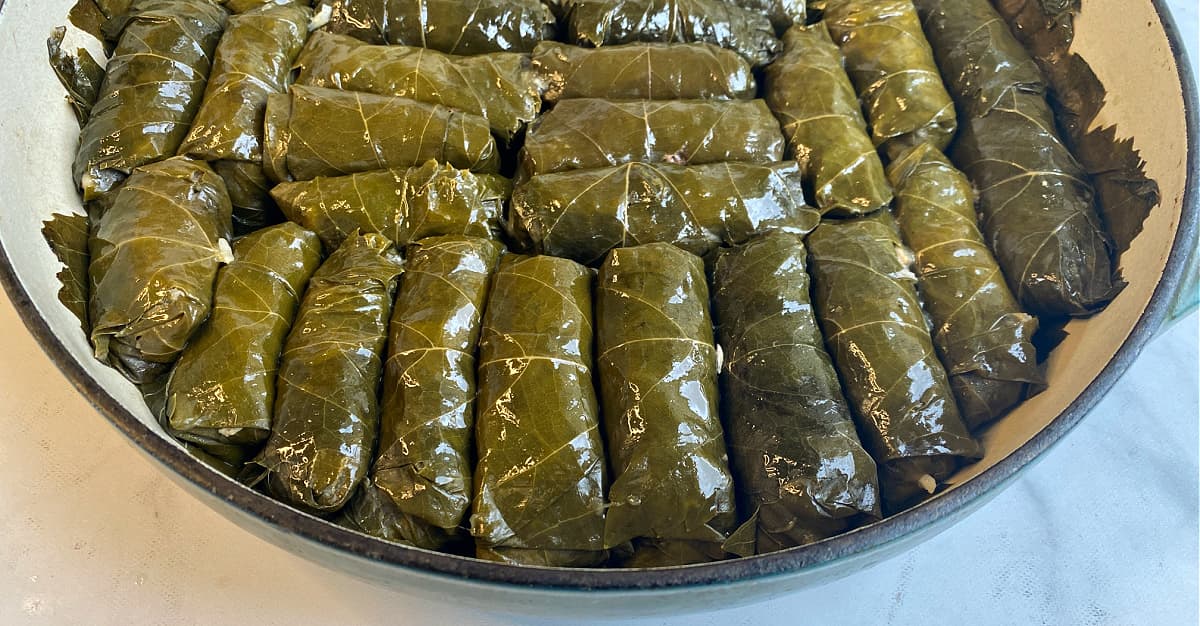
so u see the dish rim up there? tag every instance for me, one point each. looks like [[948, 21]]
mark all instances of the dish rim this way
[[792, 561]]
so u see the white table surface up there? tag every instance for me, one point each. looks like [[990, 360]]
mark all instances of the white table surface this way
[[1102, 531]]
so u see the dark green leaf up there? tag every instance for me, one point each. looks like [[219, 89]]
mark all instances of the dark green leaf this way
[[981, 333], [326, 132], [222, 390], [326, 416], [679, 132], [811, 95], [658, 382], [154, 257], [649, 71], [540, 480], [67, 235], [595, 23], [900, 393], [151, 92], [892, 65], [427, 434], [445, 25], [79, 74], [500, 87], [800, 465], [87, 16], [583, 214], [403, 204]]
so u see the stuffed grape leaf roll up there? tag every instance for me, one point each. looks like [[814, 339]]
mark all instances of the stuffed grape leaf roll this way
[[151, 91], [154, 257], [253, 61], [540, 480], [1038, 209], [802, 472], [222, 390], [427, 434], [680, 132], [501, 87], [583, 214], [880, 343], [643, 71], [658, 384], [326, 416], [980, 59], [595, 23], [314, 131], [981, 333], [892, 65], [809, 92], [446, 25], [404, 204], [1039, 214], [1125, 195]]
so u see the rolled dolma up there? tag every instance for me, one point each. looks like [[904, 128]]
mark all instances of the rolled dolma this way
[[1038, 208], [802, 472], [500, 87], [1125, 195], [595, 23], [403, 204], [326, 409], [979, 58], [658, 384], [222, 390], [643, 71], [151, 90], [155, 254], [680, 132], [252, 62], [315, 131], [891, 64], [427, 433], [981, 333], [583, 214], [446, 25], [811, 95], [880, 343], [540, 480]]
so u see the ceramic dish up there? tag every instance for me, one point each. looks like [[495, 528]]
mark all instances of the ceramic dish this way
[[1135, 50]]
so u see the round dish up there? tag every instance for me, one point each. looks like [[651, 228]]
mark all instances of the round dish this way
[[36, 183]]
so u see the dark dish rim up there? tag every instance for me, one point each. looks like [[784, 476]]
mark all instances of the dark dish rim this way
[[859, 541]]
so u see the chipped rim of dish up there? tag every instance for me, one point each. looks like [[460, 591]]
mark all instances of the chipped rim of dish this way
[[794, 560]]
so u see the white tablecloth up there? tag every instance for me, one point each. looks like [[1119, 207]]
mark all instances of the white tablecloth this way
[[1102, 531]]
